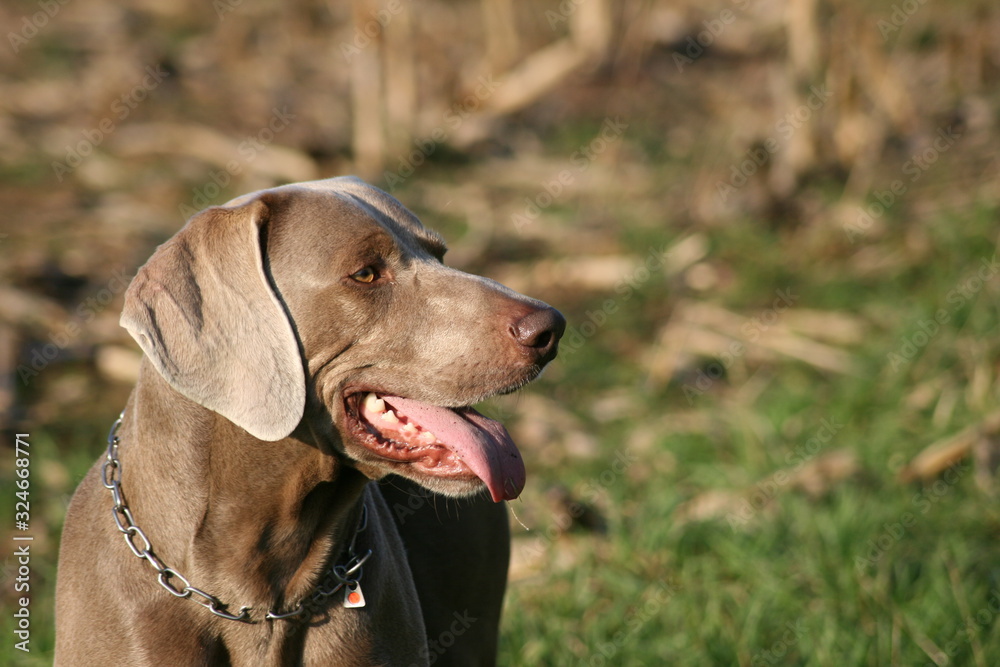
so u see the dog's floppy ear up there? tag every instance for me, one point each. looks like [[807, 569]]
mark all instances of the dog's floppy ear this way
[[204, 312]]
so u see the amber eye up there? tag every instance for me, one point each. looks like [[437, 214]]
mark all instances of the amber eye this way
[[365, 275]]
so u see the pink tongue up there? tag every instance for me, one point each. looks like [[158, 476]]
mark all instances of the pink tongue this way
[[483, 444]]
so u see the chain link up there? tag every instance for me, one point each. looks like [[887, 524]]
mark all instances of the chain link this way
[[336, 577]]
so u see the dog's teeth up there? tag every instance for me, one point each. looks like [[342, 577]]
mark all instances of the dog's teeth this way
[[374, 404], [389, 417], [428, 438], [409, 428]]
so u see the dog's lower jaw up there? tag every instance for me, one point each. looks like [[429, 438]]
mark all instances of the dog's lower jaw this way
[[452, 488]]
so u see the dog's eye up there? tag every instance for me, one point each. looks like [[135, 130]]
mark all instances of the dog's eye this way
[[365, 275]]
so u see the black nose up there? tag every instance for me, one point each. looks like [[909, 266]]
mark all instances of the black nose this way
[[539, 332]]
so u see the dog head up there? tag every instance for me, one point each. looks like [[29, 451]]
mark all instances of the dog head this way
[[329, 302]]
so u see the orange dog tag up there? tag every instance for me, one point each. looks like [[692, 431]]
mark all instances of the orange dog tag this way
[[353, 597]]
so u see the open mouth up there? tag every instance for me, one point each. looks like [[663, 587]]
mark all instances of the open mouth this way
[[455, 443]]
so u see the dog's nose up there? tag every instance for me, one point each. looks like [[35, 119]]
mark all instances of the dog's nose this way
[[539, 332]]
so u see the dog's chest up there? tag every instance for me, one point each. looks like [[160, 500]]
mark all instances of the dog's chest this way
[[365, 637]]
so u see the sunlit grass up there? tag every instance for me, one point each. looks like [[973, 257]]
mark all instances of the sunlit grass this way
[[871, 571]]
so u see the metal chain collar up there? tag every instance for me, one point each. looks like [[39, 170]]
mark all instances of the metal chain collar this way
[[337, 577]]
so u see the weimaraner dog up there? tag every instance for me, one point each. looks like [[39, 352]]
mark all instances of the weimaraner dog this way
[[297, 477]]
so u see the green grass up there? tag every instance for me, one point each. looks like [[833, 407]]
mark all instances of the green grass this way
[[872, 572]]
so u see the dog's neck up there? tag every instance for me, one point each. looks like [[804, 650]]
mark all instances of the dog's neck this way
[[274, 512]]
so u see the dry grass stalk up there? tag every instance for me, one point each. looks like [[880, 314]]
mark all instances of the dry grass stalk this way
[[283, 164], [945, 453], [706, 330], [503, 44], [400, 64], [815, 477], [367, 102], [30, 311]]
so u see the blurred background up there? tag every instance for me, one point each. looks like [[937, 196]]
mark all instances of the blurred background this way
[[772, 434]]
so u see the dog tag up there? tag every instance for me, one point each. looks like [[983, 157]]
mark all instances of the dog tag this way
[[353, 597]]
